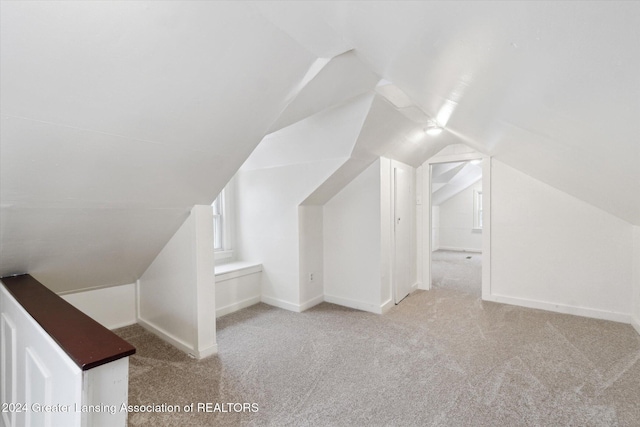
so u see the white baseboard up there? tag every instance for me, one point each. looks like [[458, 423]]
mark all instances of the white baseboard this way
[[451, 248], [561, 308], [121, 325], [312, 302], [177, 342], [113, 306], [206, 352], [358, 305], [387, 306], [231, 308], [636, 324], [280, 303]]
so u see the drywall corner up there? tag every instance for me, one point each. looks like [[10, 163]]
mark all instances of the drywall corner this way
[[176, 295]]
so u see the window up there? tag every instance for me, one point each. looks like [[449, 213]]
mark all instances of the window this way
[[477, 209], [218, 222], [223, 230]]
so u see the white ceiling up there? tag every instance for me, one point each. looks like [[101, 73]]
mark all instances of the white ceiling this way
[[117, 117]]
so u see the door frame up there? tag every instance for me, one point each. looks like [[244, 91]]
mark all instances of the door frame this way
[[425, 238]]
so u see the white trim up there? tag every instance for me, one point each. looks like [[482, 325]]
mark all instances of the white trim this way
[[121, 325], [311, 303], [486, 226], [384, 308], [176, 342], [562, 308], [448, 158], [208, 351], [166, 336], [451, 248], [280, 303], [93, 288], [236, 269], [358, 305], [636, 324], [231, 308]]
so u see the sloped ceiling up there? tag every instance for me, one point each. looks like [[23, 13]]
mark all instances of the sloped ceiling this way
[[117, 117], [449, 179]]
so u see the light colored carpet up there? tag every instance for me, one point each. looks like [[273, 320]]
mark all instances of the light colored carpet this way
[[440, 358], [461, 271]]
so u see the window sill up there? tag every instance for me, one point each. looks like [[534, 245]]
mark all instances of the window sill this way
[[236, 269], [223, 255]]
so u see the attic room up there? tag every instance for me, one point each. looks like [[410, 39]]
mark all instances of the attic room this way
[[245, 202]]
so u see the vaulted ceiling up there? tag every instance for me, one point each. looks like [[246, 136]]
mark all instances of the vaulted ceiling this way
[[117, 117]]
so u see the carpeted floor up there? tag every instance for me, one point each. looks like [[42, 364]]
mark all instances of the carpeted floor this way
[[461, 271], [440, 358]]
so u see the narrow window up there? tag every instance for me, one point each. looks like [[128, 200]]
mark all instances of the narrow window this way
[[218, 222], [477, 209]]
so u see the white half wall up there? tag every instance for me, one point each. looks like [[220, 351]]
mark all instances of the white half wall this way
[[455, 222], [636, 279], [112, 307], [237, 286], [352, 243], [176, 295], [552, 251], [34, 369]]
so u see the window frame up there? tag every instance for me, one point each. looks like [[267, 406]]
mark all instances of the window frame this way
[[477, 209], [223, 225]]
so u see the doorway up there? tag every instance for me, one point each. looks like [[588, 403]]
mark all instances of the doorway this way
[[456, 232]]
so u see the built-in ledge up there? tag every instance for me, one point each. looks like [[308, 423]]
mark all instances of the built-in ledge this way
[[232, 270], [86, 342]]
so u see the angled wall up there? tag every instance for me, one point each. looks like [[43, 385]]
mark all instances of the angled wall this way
[[118, 117], [353, 243], [550, 250], [271, 226], [176, 295]]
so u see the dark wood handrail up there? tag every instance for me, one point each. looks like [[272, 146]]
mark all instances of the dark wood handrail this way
[[88, 343]]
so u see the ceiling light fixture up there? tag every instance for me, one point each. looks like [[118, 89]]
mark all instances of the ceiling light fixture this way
[[433, 128]]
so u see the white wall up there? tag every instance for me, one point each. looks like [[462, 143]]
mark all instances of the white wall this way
[[435, 228], [268, 228], [176, 298], [456, 222], [352, 243], [237, 287], [385, 223], [311, 245], [120, 310], [34, 369], [271, 226], [550, 250], [636, 278]]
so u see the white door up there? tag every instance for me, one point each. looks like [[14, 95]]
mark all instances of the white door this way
[[403, 226]]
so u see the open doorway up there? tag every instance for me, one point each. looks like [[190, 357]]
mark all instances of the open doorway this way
[[457, 220]]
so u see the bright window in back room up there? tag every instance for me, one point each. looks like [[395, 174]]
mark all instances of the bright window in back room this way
[[218, 222]]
